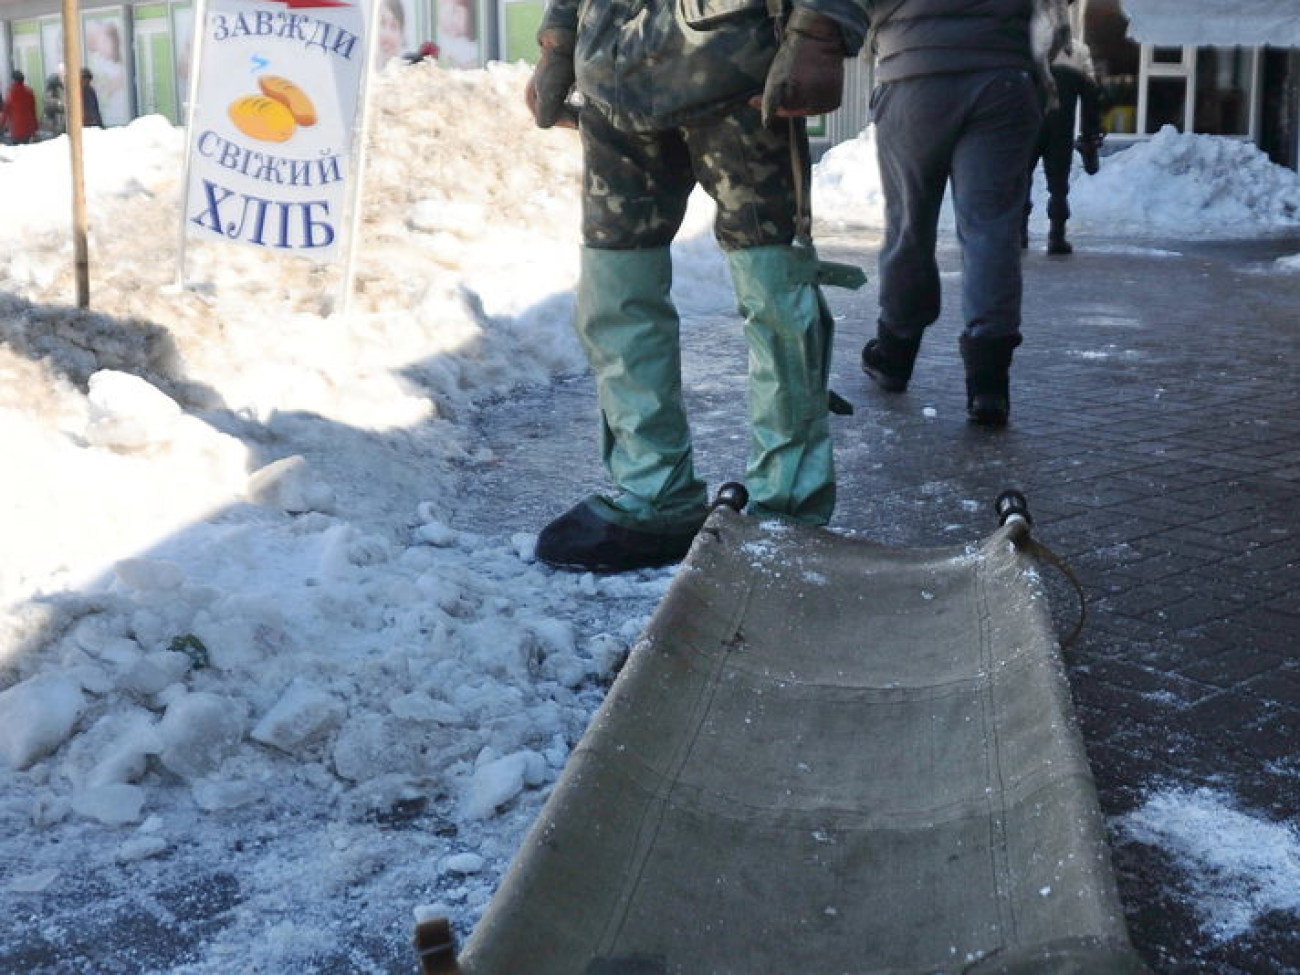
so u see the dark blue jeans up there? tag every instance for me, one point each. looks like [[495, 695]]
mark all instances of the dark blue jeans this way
[[975, 130]]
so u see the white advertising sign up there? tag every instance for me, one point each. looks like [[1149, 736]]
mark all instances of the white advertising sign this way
[[272, 129]]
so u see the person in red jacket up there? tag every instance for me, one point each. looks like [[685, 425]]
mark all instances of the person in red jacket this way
[[19, 113]]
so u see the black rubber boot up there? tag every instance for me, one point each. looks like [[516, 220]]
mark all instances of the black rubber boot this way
[[988, 379], [580, 540], [1056, 242], [888, 360]]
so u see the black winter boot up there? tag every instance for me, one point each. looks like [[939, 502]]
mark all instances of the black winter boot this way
[[888, 360], [580, 540], [988, 379], [1056, 242]]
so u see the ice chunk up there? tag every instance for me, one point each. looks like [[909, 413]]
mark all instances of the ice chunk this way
[[114, 804], [290, 485], [37, 716], [116, 748], [241, 629], [464, 863], [127, 413], [141, 848], [302, 717], [216, 794], [198, 731], [32, 883], [155, 671], [370, 745], [497, 781], [419, 706], [150, 574]]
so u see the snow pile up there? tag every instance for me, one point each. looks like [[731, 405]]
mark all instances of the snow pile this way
[[1239, 867], [256, 671], [846, 184], [118, 163], [1186, 186], [235, 601]]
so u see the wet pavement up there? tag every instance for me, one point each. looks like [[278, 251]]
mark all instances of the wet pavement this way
[[1156, 433]]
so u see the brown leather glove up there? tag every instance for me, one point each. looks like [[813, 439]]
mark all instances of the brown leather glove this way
[[552, 80], [807, 74]]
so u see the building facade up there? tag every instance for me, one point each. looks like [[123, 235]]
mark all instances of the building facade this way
[[1220, 67]]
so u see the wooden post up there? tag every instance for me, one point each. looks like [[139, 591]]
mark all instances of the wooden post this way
[[436, 946], [75, 117]]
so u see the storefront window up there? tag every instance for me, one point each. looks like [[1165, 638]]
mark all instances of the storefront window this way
[[1223, 80], [155, 81], [1210, 90], [1166, 103]]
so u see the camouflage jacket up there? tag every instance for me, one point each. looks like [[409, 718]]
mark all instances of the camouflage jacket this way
[[655, 64]]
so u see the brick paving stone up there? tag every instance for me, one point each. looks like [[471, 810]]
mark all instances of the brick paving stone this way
[[1287, 604], [1280, 685], [1270, 737], [1120, 672], [1232, 666]]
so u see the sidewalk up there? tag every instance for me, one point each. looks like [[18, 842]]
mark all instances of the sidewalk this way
[[1156, 432]]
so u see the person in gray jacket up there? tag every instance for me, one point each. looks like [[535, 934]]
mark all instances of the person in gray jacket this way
[[956, 102], [675, 94]]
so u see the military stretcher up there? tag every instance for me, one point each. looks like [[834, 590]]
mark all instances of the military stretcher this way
[[828, 756]]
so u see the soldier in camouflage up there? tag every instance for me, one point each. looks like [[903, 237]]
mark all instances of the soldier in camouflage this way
[[674, 94]]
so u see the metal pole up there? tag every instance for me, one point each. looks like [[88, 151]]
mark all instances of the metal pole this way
[[359, 156], [76, 114], [199, 31]]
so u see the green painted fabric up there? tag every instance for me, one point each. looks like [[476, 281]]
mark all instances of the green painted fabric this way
[[629, 329], [791, 471]]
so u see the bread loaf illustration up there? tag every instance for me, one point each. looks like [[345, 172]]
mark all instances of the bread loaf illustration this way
[[291, 96], [260, 117]]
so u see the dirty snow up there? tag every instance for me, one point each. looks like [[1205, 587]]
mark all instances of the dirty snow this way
[[259, 679], [1239, 866]]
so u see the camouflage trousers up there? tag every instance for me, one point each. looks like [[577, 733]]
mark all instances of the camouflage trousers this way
[[636, 184]]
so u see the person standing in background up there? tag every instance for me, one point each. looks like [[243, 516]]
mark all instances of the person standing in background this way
[[90, 115], [1077, 91], [55, 112], [956, 102], [19, 111]]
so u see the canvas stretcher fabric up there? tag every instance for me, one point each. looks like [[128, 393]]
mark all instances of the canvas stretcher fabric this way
[[828, 756]]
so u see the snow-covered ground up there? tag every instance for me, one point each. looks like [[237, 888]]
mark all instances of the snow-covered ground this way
[[245, 631]]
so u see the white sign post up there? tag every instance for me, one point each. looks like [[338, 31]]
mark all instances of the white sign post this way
[[276, 124]]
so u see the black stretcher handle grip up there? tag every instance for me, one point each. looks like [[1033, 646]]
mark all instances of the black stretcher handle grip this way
[[733, 495], [1012, 504]]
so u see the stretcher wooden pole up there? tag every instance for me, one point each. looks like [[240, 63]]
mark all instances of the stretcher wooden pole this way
[[75, 117]]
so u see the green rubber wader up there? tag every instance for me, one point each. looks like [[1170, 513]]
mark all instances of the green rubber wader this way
[[629, 328], [790, 472]]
